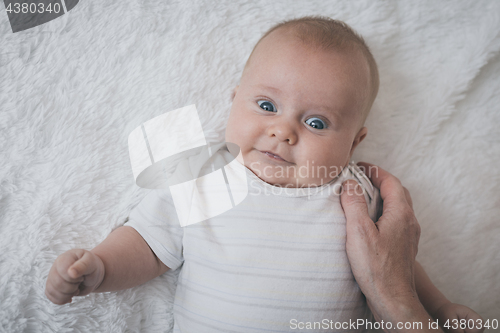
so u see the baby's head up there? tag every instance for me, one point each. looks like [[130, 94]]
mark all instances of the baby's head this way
[[304, 95]]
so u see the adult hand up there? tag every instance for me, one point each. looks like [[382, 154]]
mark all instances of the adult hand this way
[[382, 254]]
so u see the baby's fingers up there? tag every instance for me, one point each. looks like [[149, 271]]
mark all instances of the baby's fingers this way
[[86, 265], [64, 262], [59, 284], [59, 297]]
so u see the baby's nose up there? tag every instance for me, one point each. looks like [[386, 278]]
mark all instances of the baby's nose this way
[[283, 131]]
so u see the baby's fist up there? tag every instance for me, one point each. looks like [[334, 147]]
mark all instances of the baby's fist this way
[[75, 272], [452, 314]]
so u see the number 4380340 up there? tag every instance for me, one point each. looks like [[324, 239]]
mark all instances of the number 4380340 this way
[[32, 8], [470, 324]]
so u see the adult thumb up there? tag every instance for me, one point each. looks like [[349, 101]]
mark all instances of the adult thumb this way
[[353, 202]]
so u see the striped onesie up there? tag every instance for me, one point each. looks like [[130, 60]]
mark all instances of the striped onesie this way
[[274, 263]]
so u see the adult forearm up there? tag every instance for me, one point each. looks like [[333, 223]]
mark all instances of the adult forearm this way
[[128, 260]]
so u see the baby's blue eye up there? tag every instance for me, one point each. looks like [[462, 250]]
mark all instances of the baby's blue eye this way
[[268, 106], [316, 123]]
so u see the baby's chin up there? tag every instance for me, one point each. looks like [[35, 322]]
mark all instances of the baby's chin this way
[[290, 176], [289, 182]]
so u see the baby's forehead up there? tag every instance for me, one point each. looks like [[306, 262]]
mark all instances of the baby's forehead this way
[[344, 64], [315, 39], [281, 43], [287, 39], [294, 38]]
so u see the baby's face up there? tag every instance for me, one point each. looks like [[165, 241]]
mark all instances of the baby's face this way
[[296, 114]]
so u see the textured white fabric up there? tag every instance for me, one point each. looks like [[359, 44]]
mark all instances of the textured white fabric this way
[[72, 90], [276, 259]]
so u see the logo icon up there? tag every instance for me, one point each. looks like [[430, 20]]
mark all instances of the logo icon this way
[[170, 151]]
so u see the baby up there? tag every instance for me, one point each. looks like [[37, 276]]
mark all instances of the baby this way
[[275, 262]]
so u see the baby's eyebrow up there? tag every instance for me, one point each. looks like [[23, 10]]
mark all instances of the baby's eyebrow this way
[[326, 109], [273, 89], [333, 115]]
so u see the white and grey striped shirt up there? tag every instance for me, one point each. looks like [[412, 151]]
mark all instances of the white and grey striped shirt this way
[[275, 260]]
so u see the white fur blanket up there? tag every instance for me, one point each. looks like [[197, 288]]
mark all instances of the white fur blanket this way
[[73, 89]]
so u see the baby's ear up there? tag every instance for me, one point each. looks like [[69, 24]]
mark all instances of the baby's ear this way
[[357, 139], [234, 92]]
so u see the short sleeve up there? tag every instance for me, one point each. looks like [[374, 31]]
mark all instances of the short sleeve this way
[[155, 219]]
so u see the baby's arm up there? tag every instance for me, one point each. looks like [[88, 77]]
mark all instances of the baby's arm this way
[[439, 307], [123, 260], [128, 260], [429, 295]]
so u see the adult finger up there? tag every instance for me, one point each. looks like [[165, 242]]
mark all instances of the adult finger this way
[[408, 197], [352, 200], [354, 205], [391, 190]]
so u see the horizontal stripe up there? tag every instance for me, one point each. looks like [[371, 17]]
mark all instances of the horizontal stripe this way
[[297, 248], [253, 268], [188, 284]]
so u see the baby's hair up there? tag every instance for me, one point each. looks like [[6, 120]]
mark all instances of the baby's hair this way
[[330, 34]]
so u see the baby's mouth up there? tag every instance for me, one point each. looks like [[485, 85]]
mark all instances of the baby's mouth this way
[[274, 156]]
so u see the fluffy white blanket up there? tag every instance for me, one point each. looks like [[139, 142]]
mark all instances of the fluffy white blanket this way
[[73, 89]]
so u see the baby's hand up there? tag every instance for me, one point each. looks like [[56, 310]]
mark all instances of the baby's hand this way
[[75, 272], [452, 313]]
